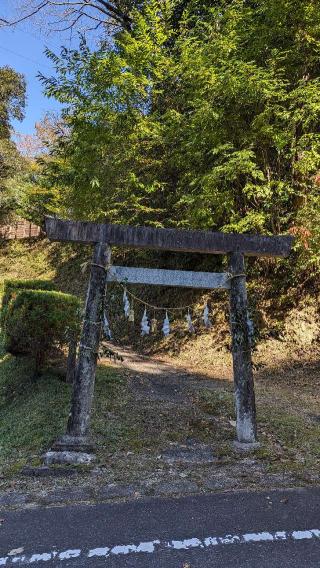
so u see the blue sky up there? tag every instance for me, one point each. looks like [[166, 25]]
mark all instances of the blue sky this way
[[22, 48]]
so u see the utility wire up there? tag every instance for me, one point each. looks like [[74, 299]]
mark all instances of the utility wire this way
[[25, 57], [40, 39]]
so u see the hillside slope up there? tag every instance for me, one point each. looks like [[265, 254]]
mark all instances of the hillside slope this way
[[286, 323], [131, 430]]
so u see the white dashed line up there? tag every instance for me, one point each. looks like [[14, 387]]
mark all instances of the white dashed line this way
[[157, 545]]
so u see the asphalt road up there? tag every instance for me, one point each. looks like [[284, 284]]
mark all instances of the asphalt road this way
[[257, 530]]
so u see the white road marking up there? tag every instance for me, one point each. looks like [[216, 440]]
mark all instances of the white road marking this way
[[98, 552], [299, 535], [37, 557], [157, 545], [15, 551], [258, 537], [67, 554], [185, 544]]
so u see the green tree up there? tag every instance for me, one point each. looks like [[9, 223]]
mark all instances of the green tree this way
[[199, 116], [12, 102]]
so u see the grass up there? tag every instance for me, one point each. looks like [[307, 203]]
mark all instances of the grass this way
[[33, 412], [132, 433], [290, 440], [43, 259]]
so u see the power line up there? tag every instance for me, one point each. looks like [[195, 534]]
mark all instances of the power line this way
[[25, 57], [37, 37]]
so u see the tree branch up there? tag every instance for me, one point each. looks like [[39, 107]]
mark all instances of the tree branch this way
[[71, 26], [35, 11], [108, 9]]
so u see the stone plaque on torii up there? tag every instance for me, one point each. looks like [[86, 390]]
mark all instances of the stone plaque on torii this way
[[75, 446]]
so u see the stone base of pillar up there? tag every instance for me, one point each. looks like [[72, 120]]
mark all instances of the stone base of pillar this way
[[70, 450], [67, 457], [245, 446], [69, 443]]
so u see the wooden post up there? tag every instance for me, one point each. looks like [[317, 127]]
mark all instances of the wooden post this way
[[241, 352], [77, 435]]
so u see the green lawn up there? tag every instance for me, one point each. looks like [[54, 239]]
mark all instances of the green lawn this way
[[33, 412]]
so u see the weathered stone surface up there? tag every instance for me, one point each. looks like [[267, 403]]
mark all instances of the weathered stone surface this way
[[114, 491], [162, 277], [69, 443], [68, 458], [46, 471], [166, 239], [246, 425], [84, 379], [246, 446], [188, 455], [175, 488]]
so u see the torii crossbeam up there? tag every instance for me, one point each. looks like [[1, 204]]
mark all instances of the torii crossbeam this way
[[74, 445]]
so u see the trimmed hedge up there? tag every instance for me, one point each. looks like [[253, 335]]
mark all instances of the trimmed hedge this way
[[38, 320], [12, 287]]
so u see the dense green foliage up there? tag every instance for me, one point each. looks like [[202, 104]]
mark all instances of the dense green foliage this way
[[209, 120], [12, 287], [12, 102], [12, 99], [38, 320]]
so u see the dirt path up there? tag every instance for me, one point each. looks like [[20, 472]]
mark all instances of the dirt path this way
[[188, 419], [155, 379], [145, 365], [186, 427], [161, 429]]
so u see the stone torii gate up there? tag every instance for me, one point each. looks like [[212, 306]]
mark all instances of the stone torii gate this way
[[75, 446]]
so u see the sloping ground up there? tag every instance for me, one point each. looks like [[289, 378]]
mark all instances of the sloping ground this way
[[42, 259], [286, 323], [163, 426], [160, 429]]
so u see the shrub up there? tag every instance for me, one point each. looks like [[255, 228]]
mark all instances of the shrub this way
[[12, 287], [38, 320]]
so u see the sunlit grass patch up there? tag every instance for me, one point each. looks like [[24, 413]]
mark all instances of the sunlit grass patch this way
[[33, 412]]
